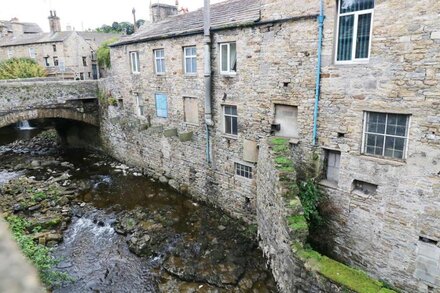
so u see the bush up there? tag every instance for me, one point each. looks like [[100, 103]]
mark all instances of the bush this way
[[310, 197], [38, 254], [103, 53], [21, 68]]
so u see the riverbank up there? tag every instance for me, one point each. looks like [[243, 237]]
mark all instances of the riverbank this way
[[115, 229]]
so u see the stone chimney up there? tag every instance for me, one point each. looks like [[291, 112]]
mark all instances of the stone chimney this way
[[3, 29], [54, 22], [17, 27], [161, 11]]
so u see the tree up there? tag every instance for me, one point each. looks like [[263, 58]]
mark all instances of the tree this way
[[103, 53], [21, 68], [123, 27]]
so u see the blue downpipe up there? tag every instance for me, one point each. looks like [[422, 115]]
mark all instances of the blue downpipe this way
[[318, 72]]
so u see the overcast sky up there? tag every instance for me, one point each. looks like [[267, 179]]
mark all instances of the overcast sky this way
[[84, 14]]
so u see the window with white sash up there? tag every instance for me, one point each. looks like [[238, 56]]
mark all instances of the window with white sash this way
[[134, 62], [386, 135], [355, 19], [32, 53], [159, 61], [139, 105], [190, 56], [228, 58], [10, 53]]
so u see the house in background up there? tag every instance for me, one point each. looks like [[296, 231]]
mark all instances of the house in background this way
[[16, 28], [67, 54]]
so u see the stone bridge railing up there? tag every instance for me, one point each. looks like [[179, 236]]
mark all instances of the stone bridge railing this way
[[48, 98]]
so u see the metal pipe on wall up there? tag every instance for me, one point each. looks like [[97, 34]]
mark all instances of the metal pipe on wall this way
[[208, 76]]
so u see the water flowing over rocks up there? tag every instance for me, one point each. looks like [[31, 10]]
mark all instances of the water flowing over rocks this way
[[114, 230]]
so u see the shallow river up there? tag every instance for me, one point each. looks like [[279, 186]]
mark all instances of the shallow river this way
[[133, 234]]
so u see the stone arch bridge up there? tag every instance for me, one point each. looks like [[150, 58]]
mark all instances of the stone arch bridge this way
[[44, 98]]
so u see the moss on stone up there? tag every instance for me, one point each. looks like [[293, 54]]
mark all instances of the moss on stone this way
[[339, 273], [283, 161], [279, 141], [297, 223]]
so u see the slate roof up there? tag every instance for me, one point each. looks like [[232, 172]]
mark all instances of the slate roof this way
[[39, 38], [28, 27], [98, 38], [224, 14]]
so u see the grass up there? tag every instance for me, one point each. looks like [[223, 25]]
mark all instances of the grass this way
[[38, 254], [339, 273], [297, 222]]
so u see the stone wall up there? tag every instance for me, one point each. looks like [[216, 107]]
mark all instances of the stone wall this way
[[25, 100], [276, 65]]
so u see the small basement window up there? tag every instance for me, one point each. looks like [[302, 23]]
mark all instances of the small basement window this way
[[364, 188], [243, 170]]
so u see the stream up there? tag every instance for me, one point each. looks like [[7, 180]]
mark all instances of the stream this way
[[125, 232]]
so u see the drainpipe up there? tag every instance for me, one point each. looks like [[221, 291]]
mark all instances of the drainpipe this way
[[318, 72], [207, 74]]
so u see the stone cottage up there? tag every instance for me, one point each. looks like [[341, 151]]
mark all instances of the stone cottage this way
[[352, 83], [67, 54]]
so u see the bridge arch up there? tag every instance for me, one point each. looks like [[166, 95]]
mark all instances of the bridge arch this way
[[31, 114]]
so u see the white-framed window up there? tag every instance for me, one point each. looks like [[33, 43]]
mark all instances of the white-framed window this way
[[191, 110], [332, 164], [139, 105], [10, 53], [46, 61], [228, 58], [134, 62], [32, 53], [55, 61], [242, 170], [355, 27], [159, 61], [386, 135], [190, 57], [230, 119]]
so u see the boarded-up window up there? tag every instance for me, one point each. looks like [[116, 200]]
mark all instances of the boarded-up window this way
[[161, 106], [333, 159], [287, 118], [191, 110]]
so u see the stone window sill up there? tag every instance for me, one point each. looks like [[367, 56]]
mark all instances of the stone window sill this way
[[384, 160], [329, 184], [229, 75], [230, 136]]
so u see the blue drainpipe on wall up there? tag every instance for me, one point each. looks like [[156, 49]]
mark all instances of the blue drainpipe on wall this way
[[318, 72]]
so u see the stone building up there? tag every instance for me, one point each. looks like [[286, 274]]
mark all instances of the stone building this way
[[67, 54], [375, 132], [14, 27]]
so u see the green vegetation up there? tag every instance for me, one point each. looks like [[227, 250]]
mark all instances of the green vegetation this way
[[103, 53], [21, 68], [123, 27], [310, 197], [297, 223], [38, 254], [339, 273], [106, 99]]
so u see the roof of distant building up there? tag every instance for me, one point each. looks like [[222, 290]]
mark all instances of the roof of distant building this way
[[42, 38], [28, 27], [225, 14]]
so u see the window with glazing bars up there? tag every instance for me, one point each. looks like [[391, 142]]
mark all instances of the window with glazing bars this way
[[228, 58], [386, 135], [354, 30], [32, 53], [190, 54], [243, 170], [134, 62], [230, 120], [159, 61], [139, 105], [10, 53]]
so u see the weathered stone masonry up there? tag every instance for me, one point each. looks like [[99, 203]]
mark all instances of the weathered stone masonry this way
[[276, 65]]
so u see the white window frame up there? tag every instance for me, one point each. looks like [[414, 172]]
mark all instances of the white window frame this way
[[244, 167], [159, 58], [228, 46], [406, 137], [337, 154], [229, 115], [134, 62], [32, 53], [356, 14], [187, 57], [10, 53]]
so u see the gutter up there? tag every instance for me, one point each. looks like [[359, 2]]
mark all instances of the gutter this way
[[255, 23], [321, 18]]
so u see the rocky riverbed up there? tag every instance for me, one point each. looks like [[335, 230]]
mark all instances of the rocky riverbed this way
[[115, 230]]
